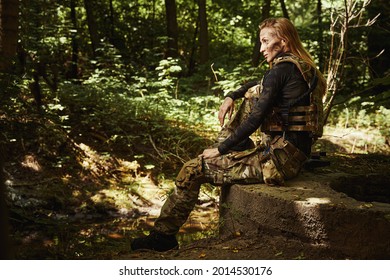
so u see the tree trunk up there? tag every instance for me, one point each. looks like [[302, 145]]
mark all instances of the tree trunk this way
[[92, 25], [112, 21], [203, 32], [9, 22], [191, 64], [284, 9], [265, 13], [172, 28], [9, 32], [378, 39], [5, 242], [75, 48], [321, 52]]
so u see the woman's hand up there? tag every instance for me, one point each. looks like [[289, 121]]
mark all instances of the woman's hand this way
[[227, 107], [210, 153]]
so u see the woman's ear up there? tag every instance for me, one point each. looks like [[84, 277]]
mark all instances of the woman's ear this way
[[284, 45]]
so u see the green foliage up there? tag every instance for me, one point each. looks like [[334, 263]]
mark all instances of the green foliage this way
[[144, 111], [130, 86], [382, 121], [232, 79], [133, 95], [375, 124], [133, 113]]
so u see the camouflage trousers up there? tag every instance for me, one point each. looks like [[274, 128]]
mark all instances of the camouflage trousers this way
[[247, 167], [250, 166]]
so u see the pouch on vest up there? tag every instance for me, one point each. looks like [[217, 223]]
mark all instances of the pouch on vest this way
[[287, 158]]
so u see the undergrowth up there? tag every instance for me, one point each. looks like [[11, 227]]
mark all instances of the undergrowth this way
[[97, 146]]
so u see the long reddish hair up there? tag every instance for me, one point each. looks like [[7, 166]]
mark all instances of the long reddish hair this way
[[284, 29]]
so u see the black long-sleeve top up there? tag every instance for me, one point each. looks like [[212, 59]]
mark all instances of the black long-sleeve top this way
[[281, 85]]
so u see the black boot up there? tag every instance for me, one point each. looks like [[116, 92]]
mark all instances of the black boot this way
[[155, 241]]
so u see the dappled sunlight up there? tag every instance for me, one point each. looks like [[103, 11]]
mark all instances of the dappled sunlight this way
[[30, 161], [309, 217], [355, 140], [92, 161], [312, 201], [98, 114], [304, 189], [100, 199], [204, 218], [128, 166]]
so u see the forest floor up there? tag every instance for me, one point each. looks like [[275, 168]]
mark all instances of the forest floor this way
[[272, 245], [74, 213]]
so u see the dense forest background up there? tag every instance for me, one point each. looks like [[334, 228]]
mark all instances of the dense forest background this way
[[99, 98]]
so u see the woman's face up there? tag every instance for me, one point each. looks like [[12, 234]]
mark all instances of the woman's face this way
[[271, 45]]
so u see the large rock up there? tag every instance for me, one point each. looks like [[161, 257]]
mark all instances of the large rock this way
[[344, 212]]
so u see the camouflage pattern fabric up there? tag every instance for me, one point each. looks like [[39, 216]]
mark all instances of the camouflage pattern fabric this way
[[237, 167], [287, 158], [241, 115], [245, 167]]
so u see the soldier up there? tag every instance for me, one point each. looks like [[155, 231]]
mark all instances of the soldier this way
[[286, 104]]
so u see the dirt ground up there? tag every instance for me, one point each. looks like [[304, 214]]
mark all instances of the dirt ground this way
[[52, 224], [266, 245]]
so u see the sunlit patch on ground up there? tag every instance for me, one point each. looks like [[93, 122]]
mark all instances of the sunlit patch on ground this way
[[353, 140], [94, 208]]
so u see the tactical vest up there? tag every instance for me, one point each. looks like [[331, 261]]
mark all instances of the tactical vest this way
[[299, 118]]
